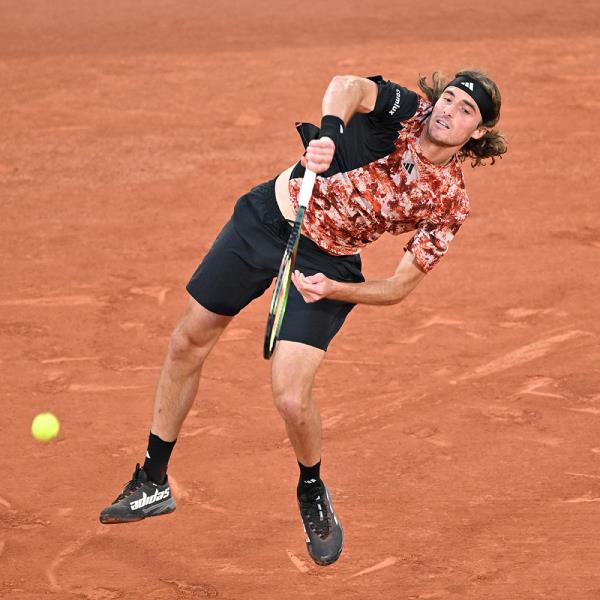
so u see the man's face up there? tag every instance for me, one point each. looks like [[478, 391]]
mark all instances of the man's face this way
[[455, 119]]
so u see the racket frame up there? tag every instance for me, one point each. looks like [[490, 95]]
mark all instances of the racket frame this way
[[284, 276]]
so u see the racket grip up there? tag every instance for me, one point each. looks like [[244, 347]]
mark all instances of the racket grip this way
[[308, 182]]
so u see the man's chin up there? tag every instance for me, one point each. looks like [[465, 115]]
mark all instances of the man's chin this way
[[439, 139], [443, 138]]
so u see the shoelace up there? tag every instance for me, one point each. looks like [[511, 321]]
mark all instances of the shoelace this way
[[316, 512], [132, 485]]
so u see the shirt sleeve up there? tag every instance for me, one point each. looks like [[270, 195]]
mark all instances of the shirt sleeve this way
[[431, 241], [394, 104]]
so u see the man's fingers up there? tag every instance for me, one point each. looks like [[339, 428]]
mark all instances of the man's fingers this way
[[323, 142], [311, 279], [298, 279], [298, 285], [319, 154], [316, 278], [306, 285], [323, 151]]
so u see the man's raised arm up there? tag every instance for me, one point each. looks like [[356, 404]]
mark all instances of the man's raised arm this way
[[345, 95]]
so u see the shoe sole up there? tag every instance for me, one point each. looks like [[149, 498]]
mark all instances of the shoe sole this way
[[154, 512]]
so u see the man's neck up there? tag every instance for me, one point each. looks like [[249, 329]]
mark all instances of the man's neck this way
[[435, 153]]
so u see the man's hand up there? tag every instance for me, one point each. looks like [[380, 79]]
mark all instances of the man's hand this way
[[314, 287], [319, 154]]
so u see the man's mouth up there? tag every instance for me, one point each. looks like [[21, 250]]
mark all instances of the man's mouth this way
[[442, 123]]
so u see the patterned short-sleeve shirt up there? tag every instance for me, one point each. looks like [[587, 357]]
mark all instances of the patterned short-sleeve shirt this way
[[380, 182]]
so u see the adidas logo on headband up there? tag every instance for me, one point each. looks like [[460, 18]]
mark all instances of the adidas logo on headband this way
[[476, 90]]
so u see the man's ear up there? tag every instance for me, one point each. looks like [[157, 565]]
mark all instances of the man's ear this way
[[479, 133]]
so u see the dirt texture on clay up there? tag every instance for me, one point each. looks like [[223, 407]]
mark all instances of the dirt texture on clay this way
[[462, 426]]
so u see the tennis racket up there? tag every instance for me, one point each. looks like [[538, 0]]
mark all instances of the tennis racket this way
[[284, 277]]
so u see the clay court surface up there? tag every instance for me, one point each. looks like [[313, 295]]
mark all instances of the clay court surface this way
[[462, 427]]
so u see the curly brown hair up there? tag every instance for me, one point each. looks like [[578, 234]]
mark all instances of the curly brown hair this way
[[493, 143]]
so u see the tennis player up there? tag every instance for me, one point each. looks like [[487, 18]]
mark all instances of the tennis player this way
[[388, 160]]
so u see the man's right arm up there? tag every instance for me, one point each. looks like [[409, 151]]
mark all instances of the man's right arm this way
[[344, 97], [347, 95], [387, 104]]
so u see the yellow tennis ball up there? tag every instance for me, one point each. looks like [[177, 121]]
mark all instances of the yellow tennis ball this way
[[45, 427]]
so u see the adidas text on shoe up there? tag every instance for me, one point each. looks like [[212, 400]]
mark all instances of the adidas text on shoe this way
[[324, 534], [139, 499]]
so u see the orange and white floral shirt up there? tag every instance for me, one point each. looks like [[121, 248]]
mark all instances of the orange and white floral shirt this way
[[380, 182]]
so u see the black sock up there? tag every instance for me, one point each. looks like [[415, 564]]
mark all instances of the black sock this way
[[157, 458], [310, 477]]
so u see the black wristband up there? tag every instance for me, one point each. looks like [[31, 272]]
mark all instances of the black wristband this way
[[332, 127]]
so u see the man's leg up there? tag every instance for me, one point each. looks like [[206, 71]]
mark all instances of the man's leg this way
[[190, 343], [148, 493], [293, 372]]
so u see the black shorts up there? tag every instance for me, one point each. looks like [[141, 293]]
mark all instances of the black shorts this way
[[245, 258]]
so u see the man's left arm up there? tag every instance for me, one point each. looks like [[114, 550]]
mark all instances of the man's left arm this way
[[380, 292]]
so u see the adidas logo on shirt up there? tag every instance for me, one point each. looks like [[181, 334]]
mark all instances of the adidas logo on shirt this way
[[145, 499], [408, 166]]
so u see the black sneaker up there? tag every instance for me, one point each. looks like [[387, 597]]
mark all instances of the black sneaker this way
[[324, 534], [139, 499]]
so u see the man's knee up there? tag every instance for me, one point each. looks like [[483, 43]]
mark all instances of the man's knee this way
[[184, 348], [195, 335], [294, 408], [188, 346]]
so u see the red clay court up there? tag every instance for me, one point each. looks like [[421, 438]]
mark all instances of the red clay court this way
[[462, 427]]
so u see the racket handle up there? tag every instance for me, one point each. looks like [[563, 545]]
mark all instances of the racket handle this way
[[308, 182]]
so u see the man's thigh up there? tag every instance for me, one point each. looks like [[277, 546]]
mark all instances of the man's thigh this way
[[294, 368]]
